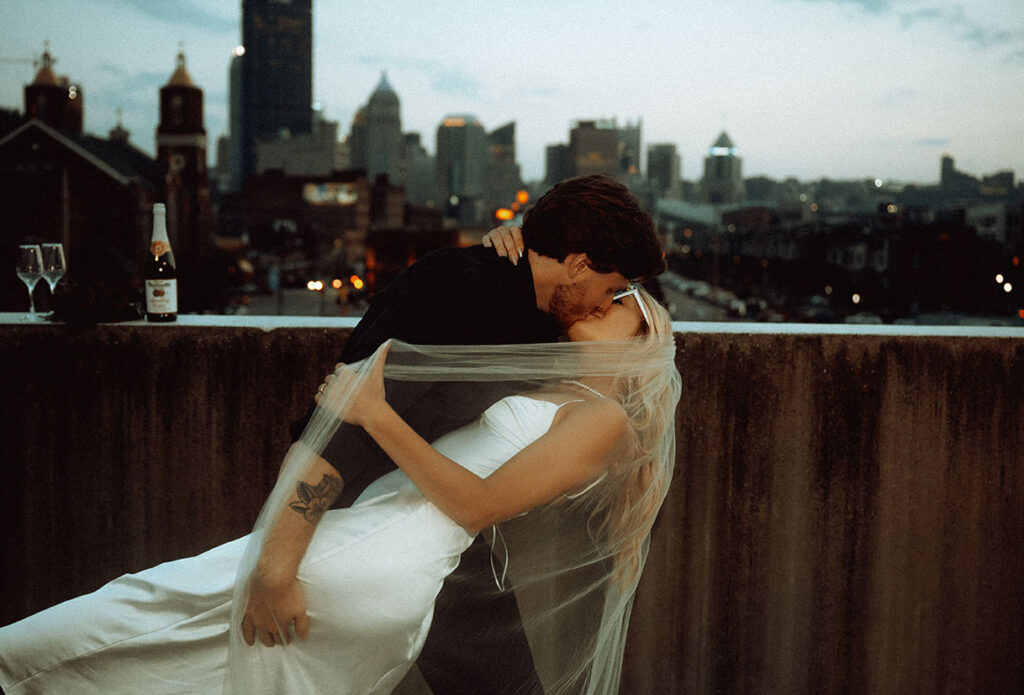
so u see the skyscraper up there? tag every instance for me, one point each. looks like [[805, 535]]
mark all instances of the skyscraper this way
[[664, 169], [277, 72], [384, 134], [556, 164], [503, 178], [419, 171], [594, 149], [723, 173], [459, 167], [630, 139], [229, 155]]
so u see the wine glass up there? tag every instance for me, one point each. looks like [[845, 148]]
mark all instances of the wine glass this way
[[54, 265], [30, 269]]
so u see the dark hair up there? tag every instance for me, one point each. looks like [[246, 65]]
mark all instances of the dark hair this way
[[597, 216]]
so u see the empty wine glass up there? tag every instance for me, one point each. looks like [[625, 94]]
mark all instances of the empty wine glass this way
[[30, 269], [54, 265]]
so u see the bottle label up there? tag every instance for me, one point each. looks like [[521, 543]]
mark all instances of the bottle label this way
[[162, 296]]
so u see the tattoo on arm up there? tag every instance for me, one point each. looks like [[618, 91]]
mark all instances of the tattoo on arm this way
[[314, 500]]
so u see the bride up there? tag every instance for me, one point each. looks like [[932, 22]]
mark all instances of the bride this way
[[564, 478]]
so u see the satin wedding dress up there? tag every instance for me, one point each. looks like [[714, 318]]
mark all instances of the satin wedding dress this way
[[370, 577]]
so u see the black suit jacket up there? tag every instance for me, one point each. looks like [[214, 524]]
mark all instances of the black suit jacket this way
[[453, 296]]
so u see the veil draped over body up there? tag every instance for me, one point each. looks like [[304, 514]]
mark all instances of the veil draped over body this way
[[572, 564]]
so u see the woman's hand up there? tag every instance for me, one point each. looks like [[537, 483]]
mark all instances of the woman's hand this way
[[506, 241], [274, 605], [369, 402]]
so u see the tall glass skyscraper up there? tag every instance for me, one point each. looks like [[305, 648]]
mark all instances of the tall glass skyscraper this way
[[277, 72]]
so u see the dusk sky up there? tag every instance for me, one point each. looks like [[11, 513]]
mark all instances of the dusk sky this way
[[808, 88]]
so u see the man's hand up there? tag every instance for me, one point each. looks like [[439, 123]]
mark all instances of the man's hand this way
[[507, 241], [274, 604]]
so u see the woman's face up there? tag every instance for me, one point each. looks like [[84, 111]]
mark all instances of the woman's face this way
[[624, 319]]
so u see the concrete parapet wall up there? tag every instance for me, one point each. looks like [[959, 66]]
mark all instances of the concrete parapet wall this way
[[847, 514]]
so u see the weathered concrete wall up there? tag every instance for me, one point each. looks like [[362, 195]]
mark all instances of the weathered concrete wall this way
[[847, 514]]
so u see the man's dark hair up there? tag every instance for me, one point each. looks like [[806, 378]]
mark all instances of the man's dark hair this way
[[597, 216]]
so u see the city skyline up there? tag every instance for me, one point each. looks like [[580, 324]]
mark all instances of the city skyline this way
[[814, 89]]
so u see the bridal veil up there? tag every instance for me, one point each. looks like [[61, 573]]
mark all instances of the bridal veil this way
[[573, 564]]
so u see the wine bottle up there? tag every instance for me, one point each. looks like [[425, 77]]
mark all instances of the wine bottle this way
[[160, 272]]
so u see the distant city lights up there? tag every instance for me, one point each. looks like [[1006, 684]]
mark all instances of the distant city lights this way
[[1000, 279], [855, 298], [315, 285], [1007, 288]]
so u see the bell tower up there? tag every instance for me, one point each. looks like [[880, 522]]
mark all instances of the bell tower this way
[[181, 149], [52, 99]]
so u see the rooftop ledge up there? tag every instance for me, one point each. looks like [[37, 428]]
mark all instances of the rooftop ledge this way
[[270, 323], [846, 514]]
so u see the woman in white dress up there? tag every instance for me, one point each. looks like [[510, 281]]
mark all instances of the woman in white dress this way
[[589, 449]]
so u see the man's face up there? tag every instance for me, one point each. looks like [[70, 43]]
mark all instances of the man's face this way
[[589, 293]]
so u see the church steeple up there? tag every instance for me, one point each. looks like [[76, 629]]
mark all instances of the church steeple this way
[[180, 78], [52, 99], [181, 103], [181, 149], [46, 76]]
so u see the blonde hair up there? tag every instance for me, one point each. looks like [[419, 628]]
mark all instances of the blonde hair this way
[[637, 487]]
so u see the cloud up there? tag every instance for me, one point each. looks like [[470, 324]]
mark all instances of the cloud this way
[[869, 6], [183, 12], [950, 17], [444, 79], [933, 142], [957, 21], [899, 97], [128, 90]]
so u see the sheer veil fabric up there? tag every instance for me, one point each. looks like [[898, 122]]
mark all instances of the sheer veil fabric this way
[[572, 564]]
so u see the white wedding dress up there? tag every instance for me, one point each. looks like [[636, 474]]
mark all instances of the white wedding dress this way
[[370, 577]]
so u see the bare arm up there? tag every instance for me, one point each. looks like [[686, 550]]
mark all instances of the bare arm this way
[[581, 444], [275, 597], [577, 449]]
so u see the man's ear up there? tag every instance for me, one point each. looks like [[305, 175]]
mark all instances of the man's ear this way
[[577, 264]]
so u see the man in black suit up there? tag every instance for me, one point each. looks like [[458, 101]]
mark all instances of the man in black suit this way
[[585, 239]]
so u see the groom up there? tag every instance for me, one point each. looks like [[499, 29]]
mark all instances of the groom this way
[[586, 239]]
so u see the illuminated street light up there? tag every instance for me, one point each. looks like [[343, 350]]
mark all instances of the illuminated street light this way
[[999, 278], [855, 298], [1007, 288]]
